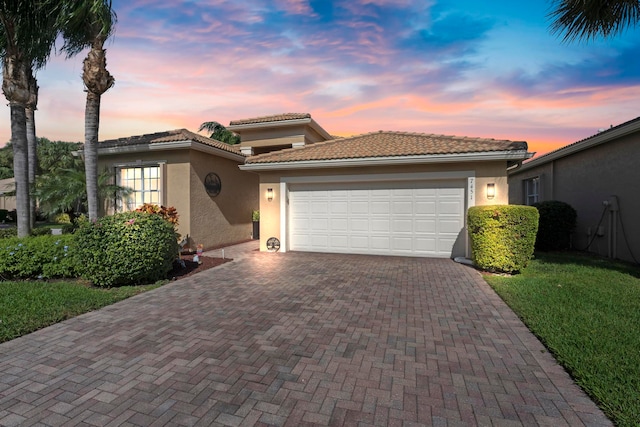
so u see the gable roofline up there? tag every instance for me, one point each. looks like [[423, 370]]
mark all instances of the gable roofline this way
[[603, 137], [278, 120], [511, 155], [390, 144], [170, 140]]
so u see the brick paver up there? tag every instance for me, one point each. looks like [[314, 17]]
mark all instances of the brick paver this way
[[295, 339]]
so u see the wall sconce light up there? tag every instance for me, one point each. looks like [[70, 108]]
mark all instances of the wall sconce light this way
[[269, 194], [491, 190]]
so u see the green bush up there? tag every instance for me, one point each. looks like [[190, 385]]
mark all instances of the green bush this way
[[38, 257], [8, 232], [128, 248], [41, 231], [502, 237], [557, 222]]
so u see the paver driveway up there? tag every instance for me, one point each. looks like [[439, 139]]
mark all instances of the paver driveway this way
[[295, 339]]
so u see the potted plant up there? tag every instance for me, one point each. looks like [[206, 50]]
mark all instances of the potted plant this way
[[255, 217]]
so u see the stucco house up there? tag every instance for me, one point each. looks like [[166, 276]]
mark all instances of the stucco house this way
[[387, 193], [197, 175], [7, 194], [598, 176]]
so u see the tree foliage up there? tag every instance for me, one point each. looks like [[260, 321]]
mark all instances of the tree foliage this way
[[220, 133], [588, 19]]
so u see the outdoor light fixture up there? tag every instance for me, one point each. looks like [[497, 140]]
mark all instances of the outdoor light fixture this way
[[491, 190], [269, 194]]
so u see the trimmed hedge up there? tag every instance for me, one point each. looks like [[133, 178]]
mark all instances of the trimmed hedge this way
[[557, 222], [502, 237], [40, 257], [127, 249]]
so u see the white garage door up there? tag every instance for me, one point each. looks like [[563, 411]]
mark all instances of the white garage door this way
[[394, 218]]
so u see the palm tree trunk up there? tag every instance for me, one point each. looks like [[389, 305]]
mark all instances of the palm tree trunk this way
[[33, 162], [20, 168], [91, 125], [32, 142]]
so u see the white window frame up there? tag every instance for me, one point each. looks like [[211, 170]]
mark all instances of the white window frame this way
[[531, 190], [120, 203]]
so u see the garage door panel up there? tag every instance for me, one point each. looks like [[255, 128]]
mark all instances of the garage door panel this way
[[408, 218], [380, 225], [359, 242], [340, 224]]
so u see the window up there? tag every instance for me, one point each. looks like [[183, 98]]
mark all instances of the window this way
[[145, 183], [531, 190]]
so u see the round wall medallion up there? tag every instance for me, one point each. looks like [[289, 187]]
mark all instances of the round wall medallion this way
[[212, 184], [273, 244]]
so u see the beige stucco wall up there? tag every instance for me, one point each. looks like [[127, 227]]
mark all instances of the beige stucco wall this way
[[485, 172], [586, 179], [279, 136], [226, 218], [209, 221]]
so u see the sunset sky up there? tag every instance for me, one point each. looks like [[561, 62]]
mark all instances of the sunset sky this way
[[467, 68]]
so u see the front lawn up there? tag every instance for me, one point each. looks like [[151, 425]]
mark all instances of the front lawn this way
[[31, 305], [586, 310]]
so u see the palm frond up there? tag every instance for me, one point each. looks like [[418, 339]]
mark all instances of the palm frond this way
[[588, 19]]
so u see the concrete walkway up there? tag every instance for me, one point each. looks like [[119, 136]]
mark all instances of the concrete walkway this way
[[295, 339]]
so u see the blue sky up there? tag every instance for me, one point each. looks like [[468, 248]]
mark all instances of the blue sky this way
[[488, 69]]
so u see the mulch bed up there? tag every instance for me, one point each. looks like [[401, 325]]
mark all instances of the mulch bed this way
[[193, 267]]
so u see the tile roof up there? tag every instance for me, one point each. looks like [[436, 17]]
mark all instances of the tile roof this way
[[175, 135], [273, 118], [388, 144]]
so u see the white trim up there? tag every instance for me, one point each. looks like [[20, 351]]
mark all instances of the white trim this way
[[420, 176], [388, 161], [284, 207], [286, 181], [272, 123]]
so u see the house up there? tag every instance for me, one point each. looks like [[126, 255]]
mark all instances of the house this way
[[598, 176], [197, 175], [387, 193], [391, 193], [7, 194]]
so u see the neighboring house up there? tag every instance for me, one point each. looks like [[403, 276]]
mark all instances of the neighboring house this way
[[387, 193], [197, 175], [7, 194], [599, 176]]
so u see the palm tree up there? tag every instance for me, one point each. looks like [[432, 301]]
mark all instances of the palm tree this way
[[588, 19], [63, 190], [220, 133], [27, 34], [89, 23], [32, 145]]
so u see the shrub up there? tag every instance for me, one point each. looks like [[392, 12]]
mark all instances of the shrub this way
[[557, 222], [126, 249], [41, 231], [62, 218], [38, 257], [502, 237], [8, 232]]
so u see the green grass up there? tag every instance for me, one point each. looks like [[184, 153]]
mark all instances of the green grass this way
[[586, 310], [30, 305]]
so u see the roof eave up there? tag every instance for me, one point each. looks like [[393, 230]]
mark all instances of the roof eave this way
[[390, 161], [274, 123], [172, 145], [585, 144]]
